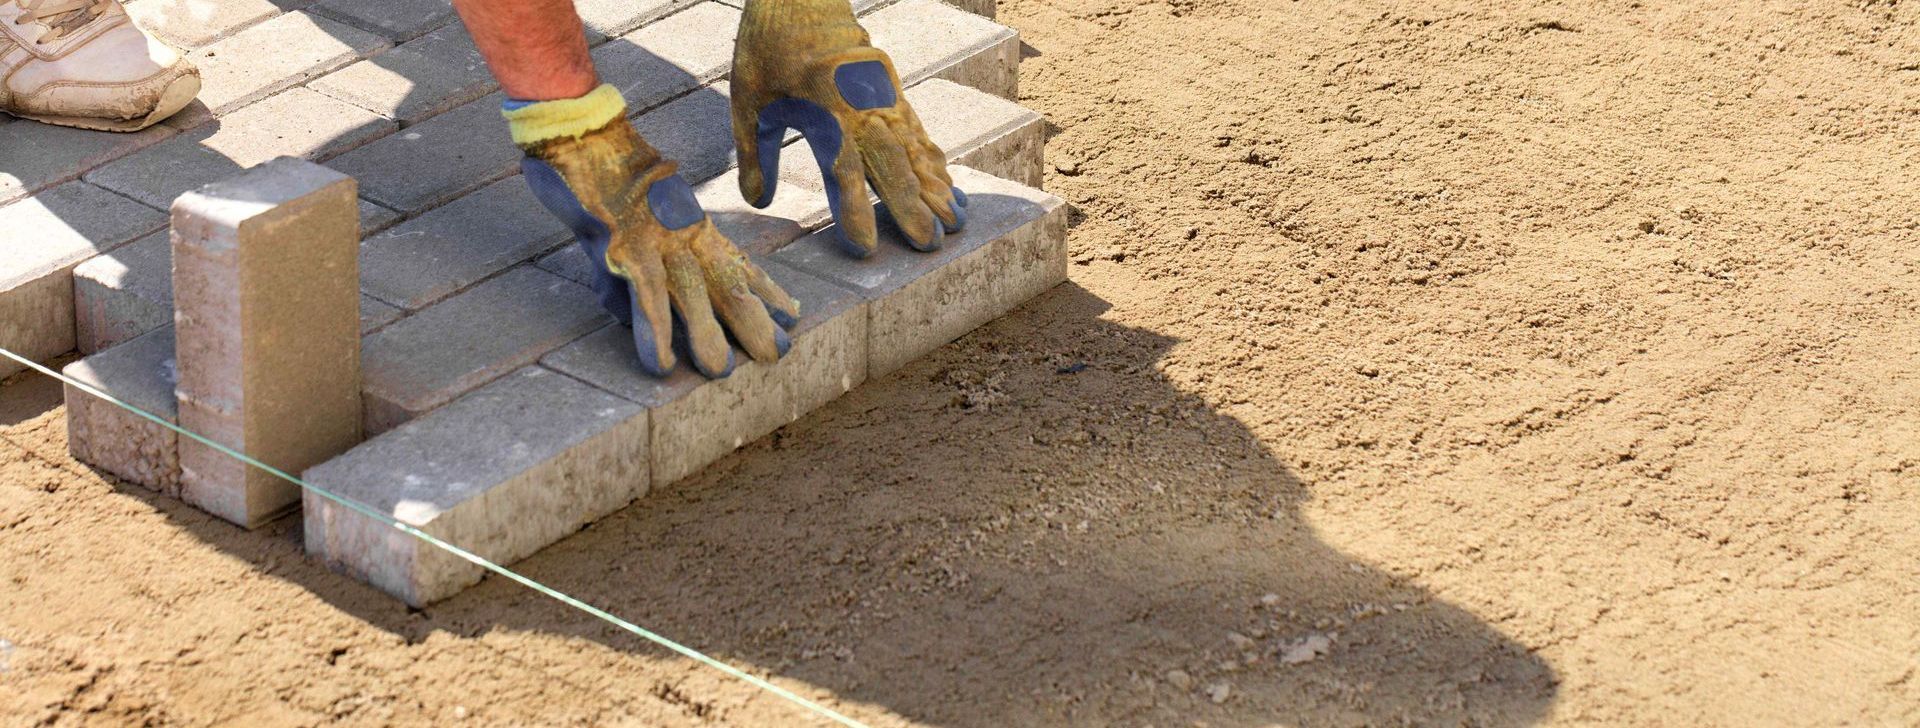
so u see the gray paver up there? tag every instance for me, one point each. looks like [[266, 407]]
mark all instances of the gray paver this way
[[416, 80], [396, 19], [274, 55], [611, 18], [982, 131], [35, 156], [196, 23], [501, 472], [129, 292], [971, 126], [687, 50], [696, 420], [297, 123], [1014, 247], [425, 360], [458, 244], [436, 160], [102, 434], [696, 130], [927, 39], [267, 332], [795, 211], [45, 237]]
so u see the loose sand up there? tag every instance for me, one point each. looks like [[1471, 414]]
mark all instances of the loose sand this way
[[1423, 362]]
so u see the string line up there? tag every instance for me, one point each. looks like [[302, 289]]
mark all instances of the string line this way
[[484, 563]]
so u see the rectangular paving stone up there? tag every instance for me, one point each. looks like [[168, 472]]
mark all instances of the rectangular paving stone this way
[[267, 332], [296, 123], [501, 472], [795, 211], [971, 126], [129, 292], [35, 156], [982, 131], [436, 160], [458, 244], [102, 434], [274, 55], [418, 79], [696, 130], [398, 20], [1013, 248], [191, 24], [927, 39], [612, 18], [664, 59], [425, 360], [696, 420], [44, 237]]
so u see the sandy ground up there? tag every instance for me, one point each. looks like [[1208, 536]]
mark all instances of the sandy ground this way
[[1423, 362]]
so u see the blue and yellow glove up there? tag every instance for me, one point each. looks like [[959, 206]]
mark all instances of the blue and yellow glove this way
[[657, 259], [808, 65]]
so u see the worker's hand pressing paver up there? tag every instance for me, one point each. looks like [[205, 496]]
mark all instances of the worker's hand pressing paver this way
[[807, 65], [657, 259]]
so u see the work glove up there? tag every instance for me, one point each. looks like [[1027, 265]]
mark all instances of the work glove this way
[[659, 264], [807, 65]]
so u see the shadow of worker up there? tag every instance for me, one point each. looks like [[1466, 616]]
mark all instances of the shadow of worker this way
[[1031, 527]]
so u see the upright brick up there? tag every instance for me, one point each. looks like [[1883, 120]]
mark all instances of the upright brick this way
[[277, 54], [129, 292], [697, 420], [135, 449], [927, 39], [418, 79], [457, 245], [502, 472], [267, 328], [44, 237], [425, 360], [194, 24], [1013, 248], [296, 123]]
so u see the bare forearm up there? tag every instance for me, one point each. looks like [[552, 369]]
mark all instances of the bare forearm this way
[[537, 49]]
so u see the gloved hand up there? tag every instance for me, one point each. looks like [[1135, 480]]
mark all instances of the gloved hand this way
[[657, 259], [807, 65]]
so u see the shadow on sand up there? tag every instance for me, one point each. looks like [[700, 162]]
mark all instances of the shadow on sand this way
[[1000, 535]]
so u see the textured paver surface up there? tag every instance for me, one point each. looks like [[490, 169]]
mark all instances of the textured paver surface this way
[[469, 291]]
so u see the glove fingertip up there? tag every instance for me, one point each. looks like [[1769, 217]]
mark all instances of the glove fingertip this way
[[782, 318], [959, 196], [847, 244], [782, 341], [711, 373], [959, 208]]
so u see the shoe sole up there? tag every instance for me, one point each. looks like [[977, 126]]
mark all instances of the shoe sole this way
[[180, 92]]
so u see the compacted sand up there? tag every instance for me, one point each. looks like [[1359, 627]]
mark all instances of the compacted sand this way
[[1423, 362]]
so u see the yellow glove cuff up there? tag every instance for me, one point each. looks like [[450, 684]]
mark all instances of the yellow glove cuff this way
[[545, 120]]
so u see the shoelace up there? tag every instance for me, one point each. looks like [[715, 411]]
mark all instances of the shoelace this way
[[61, 16]]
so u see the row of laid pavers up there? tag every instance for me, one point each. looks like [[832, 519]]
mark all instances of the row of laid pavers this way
[[453, 247], [128, 292], [540, 451], [427, 164]]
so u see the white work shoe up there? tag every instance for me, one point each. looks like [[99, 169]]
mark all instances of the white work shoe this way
[[83, 63]]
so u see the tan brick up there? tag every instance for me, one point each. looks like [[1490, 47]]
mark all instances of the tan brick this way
[[502, 472], [103, 434], [44, 237], [1013, 248], [267, 332], [274, 55]]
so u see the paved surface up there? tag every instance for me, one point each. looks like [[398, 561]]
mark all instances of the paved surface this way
[[465, 279]]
